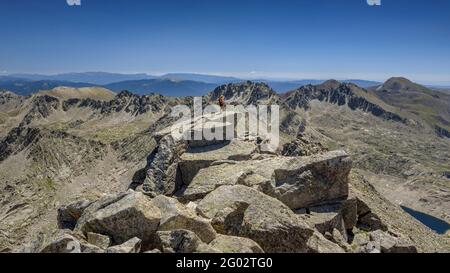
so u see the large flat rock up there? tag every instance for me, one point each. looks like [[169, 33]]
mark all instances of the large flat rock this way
[[298, 182], [245, 212], [233, 244], [309, 181], [250, 173], [196, 158], [232, 150], [121, 217]]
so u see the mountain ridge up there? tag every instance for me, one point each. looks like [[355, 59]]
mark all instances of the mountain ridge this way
[[430, 105], [46, 137], [31, 83]]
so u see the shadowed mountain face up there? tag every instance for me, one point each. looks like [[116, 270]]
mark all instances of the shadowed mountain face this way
[[246, 93], [68, 144], [334, 92]]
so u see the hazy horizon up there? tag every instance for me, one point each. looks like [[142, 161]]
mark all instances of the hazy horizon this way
[[252, 77], [249, 39]]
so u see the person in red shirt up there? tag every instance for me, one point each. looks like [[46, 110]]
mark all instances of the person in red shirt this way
[[222, 103]]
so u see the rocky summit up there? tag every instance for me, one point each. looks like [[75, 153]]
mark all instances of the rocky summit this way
[[213, 198], [113, 174]]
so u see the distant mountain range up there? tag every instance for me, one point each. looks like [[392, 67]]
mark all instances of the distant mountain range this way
[[173, 84], [442, 89], [201, 78], [96, 78], [25, 87], [165, 87]]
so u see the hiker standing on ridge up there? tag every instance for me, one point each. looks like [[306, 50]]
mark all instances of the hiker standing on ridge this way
[[222, 103]]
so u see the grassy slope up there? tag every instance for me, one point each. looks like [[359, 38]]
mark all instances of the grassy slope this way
[[95, 93], [430, 105]]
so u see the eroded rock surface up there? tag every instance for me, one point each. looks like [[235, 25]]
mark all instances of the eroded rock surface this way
[[231, 197], [177, 216], [307, 181], [242, 211], [233, 244], [122, 217]]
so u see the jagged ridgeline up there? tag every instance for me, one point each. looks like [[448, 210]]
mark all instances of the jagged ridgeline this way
[[86, 170]]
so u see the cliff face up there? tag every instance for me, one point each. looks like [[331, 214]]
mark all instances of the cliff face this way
[[18, 139], [341, 95], [246, 93], [442, 132]]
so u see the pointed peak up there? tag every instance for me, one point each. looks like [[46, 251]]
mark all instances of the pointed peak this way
[[400, 84], [330, 84], [125, 93], [399, 80]]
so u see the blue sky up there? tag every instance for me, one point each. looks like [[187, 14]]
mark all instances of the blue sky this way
[[247, 38]]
